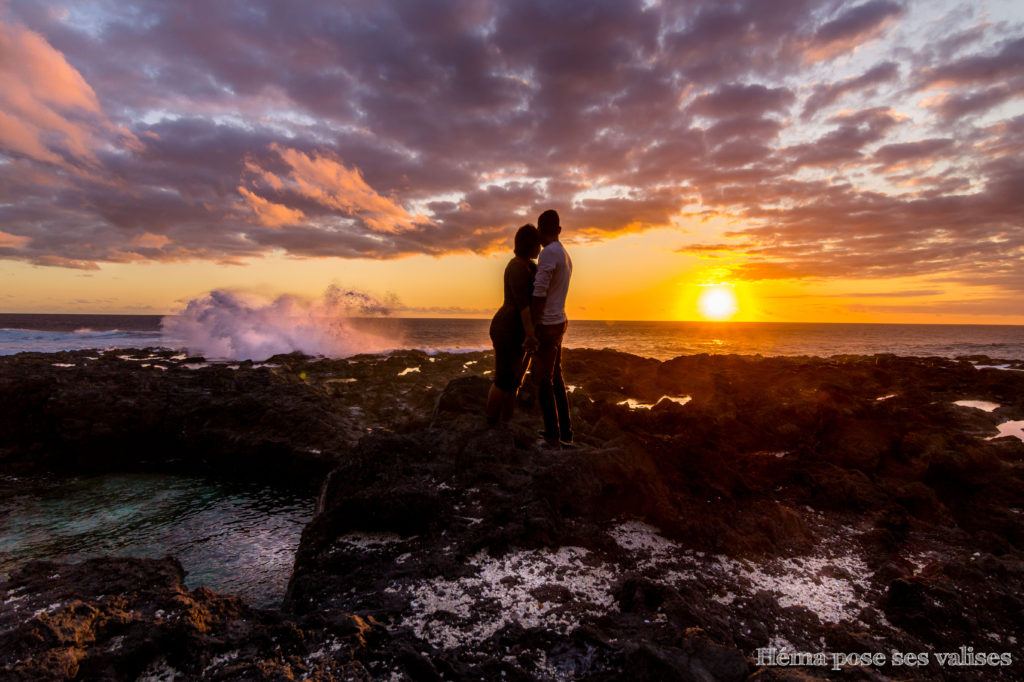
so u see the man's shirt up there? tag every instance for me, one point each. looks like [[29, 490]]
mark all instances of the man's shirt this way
[[554, 268]]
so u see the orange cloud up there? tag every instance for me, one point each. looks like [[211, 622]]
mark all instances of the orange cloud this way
[[268, 213], [332, 184], [12, 241], [149, 240]]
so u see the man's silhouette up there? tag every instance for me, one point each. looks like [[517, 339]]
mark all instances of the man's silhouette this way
[[554, 268]]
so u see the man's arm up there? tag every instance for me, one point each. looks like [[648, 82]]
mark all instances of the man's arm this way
[[537, 307], [545, 269]]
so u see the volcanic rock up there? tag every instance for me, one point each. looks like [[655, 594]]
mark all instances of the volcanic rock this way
[[713, 509]]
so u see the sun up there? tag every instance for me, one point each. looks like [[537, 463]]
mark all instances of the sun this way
[[717, 303]]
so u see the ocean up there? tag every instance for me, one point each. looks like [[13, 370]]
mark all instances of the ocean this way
[[660, 340]]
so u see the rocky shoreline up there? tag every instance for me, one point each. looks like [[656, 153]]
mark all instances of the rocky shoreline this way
[[720, 517]]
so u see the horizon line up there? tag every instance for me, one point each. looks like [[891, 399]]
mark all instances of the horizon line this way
[[579, 319]]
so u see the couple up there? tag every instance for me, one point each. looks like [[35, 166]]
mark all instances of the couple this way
[[527, 330]]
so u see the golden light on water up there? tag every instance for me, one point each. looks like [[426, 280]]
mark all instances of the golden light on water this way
[[717, 302]]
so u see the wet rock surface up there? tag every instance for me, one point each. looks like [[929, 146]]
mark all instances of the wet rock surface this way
[[127, 619], [714, 511]]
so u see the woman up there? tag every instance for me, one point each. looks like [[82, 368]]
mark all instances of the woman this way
[[512, 327]]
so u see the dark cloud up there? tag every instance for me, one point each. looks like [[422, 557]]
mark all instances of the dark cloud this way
[[1007, 62], [893, 155], [845, 142], [227, 131], [825, 95], [754, 100], [952, 107], [853, 26]]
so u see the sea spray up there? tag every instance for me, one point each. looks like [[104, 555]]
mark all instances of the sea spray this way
[[232, 325]]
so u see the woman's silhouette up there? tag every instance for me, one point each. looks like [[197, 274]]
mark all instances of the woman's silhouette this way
[[512, 330]]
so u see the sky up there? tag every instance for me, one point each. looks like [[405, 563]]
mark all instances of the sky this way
[[823, 160]]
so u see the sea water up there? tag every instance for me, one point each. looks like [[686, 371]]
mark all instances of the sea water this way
[[660, 340], [235, 539]]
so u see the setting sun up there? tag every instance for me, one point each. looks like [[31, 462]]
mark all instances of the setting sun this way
[[717, 303]]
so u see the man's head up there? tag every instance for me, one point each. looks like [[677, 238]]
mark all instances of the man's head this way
[[549, 226]]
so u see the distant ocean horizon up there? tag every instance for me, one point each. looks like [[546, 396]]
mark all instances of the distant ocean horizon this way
[[21, 332]]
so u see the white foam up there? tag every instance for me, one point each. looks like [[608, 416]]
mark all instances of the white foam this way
[[1011, 428], [885, 397], [805, 582], [446, 613], [452, 350], [61, 364], [240, 326], [830, 583], [159, 671], [978, 404], [370, 540], [637, 405], [221, 660], [408, 370], [637, 536]]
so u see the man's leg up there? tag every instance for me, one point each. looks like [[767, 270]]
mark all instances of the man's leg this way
[[561, 399], [543, 367]]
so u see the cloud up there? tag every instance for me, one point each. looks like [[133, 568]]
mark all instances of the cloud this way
[[1007, 62], [852, 28], [267, 212], [845, 142], [42, 99], [906, 293], [12, 241], [754, 99], [952, 107], [897, 155], [153, 131], [824, 95], [150, 241], [330, 183]]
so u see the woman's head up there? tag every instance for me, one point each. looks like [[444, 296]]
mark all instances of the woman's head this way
[[527, 243]]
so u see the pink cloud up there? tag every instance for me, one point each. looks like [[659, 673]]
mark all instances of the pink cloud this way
[[47, 109]]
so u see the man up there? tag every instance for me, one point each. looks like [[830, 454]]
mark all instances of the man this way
[[554, 268]]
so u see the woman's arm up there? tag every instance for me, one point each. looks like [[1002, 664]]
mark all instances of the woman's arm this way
[[530, 344], [521, 285]]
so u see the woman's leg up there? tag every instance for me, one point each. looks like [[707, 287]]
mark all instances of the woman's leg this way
[[496, 404], [509, 406]]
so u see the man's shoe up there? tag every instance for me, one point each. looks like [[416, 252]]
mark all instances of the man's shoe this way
[[549, 439]]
